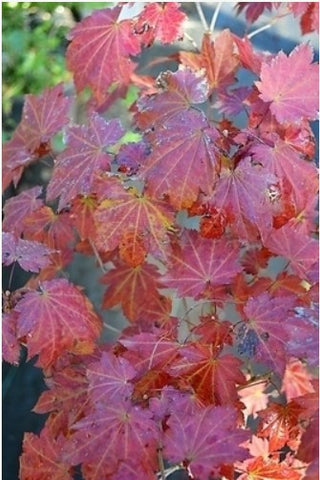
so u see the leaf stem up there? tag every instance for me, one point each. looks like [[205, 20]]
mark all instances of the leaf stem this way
[[214, 17], [201, 16], [96, 253], [259, 30]]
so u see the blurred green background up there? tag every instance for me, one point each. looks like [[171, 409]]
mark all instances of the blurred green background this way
[[34, 40]]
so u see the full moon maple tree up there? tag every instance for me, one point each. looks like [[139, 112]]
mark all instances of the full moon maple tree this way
[[226, 388]]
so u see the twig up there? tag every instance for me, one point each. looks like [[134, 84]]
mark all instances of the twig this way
[[96, 253], [202, 17], [214, 17], [191, 40], [260, 29], [161, 464]]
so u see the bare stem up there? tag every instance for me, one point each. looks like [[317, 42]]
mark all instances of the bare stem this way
[[215, 16], [191, 40], [202, 17], [260, 29]]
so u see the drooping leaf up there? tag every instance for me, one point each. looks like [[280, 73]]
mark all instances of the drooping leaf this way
[[291, 84], [205, 440], [160, 21], [200, 265], [253, 10], [17, 208], [219, 60], [41, 457], [54, 319], [31, 255], [99, 52], [135, 288], [84, 156], [134, 218]]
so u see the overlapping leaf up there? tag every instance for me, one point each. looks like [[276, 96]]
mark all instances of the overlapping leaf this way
[[17, 208], [99, 52], [136, 219], [31, 255], [41, 457], [205, 440], [291, 84], [84, 156], [243, 193], [135, 288], [55, 319], [200, 265]]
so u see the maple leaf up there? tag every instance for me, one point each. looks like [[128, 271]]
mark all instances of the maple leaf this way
[[219, 60], [177, 92], [148, 351], [205, 440], [201, 264], [56, 318], [296, 380], [77, 165], [46, 226], [132, 287], [135, 219], [253, 10], [268, 469], [303, 329], [81, 215], [31, 256], [10, 344], [286, 164], [299, 249], [264, 331], [41, 457], [279, 423], [242, 193], [110, 378], [130, 157], [291, 84], [115, 434], [160, 21], [99, 52], [213, 377], [309, 12], [254, 398], [17, 208]]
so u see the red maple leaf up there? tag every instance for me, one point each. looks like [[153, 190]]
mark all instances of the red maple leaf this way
[[135, 288], [31, 255], [46, 226], [213, 377], [99, 52], [219, 60], [10, 344], [279, 423], [268, 469], [296, 380], [242, 193], [81, 215], [160, 21], [41, 457], [205, 440], [85, 155], [299, 249], [115, 434], [54, 319], [200, 265], [177, 92], [17, 208], [109, 378], [253, 10], [291, 84], [264, 334], [134, 219]]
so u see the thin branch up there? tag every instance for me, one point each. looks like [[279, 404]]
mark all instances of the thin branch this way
[[191, 40], [110, 327], [214, 17], [202, 17], [161, 464], [96, 253], [260, 29]]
